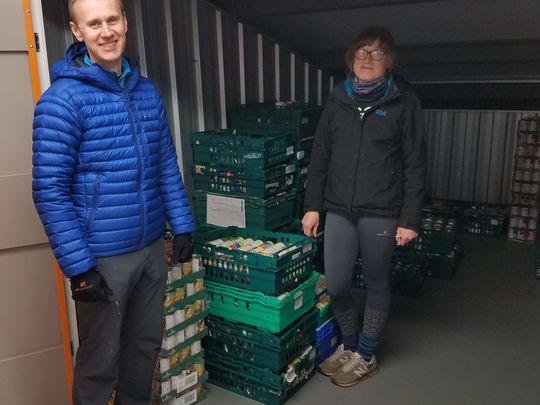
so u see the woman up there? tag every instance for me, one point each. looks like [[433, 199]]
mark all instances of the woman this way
[[367, 170]]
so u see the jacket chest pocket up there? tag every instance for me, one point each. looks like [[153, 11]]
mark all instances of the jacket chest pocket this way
[[383, 129]]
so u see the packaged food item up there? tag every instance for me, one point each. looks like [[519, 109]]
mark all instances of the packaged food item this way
[[169, 299], [199, 285], [185, 353], [199, 368], [190, 311], [164, 365], [176, 272], [200, 325], [196, 263], [190, 330], [190, 289], [195, 347], [168, 342], [161, 389], [179, 337], [187, 269], [179, 294], [169, 321], [197, 307], [174, 360], [179, 316]]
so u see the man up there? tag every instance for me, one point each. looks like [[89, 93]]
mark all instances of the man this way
[[105, 175]]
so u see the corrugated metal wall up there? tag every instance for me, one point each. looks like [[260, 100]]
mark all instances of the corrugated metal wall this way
[[471, 154], [214, 62]]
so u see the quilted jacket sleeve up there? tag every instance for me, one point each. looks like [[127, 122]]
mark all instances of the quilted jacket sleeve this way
[[414, 165], [172, 188], [56, 136]]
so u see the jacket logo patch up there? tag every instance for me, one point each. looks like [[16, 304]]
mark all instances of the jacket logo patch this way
[[382, 113]]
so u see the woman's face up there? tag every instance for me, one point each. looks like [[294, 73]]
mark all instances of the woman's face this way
[[368, 69]]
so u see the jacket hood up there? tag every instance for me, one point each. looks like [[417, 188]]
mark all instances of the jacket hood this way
[[73, 67]]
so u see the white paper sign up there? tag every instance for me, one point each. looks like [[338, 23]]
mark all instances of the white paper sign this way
[[225, 211]]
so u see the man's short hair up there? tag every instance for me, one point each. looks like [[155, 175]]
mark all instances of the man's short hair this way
[[72, 2]]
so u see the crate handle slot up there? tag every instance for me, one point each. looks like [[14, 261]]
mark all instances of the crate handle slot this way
[[224, 256]]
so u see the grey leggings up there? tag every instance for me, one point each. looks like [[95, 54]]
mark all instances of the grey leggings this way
[[345, 236]]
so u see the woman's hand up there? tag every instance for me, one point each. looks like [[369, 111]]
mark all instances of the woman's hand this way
[[403, 235], [310, 223]]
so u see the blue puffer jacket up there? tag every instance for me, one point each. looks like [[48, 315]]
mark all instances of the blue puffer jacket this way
[[105, 170]]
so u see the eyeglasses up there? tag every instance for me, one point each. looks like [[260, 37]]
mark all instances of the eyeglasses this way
[[376, 54]]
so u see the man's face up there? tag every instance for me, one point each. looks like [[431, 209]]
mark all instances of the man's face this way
[[102, 26]]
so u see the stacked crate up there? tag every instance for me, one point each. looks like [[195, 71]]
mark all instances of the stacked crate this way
[[180, 370], [261, 290], [487, 220], [436, 244], [407, 273], [327, 334], [525, 182], [251, 174], [296, 118], [296, 227]]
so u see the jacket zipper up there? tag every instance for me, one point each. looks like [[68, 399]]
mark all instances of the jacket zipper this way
[[139, 168], [362, 114]]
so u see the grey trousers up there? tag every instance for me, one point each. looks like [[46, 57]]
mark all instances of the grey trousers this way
[[345, 237], [120, 340]]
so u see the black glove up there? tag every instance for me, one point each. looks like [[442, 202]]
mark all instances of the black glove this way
[[182, 248], [89, 287]]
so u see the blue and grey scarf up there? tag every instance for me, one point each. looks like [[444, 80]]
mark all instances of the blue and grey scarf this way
[[364, 92]]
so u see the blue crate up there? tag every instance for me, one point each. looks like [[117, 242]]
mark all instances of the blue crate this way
[[326, 329]]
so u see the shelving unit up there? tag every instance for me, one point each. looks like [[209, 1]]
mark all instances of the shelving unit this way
[[525, 182]]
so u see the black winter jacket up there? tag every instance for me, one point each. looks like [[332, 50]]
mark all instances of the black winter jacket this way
[[370, 163]]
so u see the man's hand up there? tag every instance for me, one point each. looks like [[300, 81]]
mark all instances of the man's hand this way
[[182, 248], [310, 223], [404, 236], [90, 287]]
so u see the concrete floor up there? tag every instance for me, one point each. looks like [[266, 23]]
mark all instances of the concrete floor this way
[[473, 340]]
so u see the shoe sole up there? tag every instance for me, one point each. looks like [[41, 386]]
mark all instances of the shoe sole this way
[[347, 385], [326, 374]]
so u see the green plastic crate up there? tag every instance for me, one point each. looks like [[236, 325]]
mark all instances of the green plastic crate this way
[[296, 227], [303, 151], [241, 148], [244, 173], [302, 119], [301, 178], [443, 266], [270, 213], [407, 273], [244, 182], [252, 271], [260, 348], [258, 383], [488, 220], [265, 312]]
